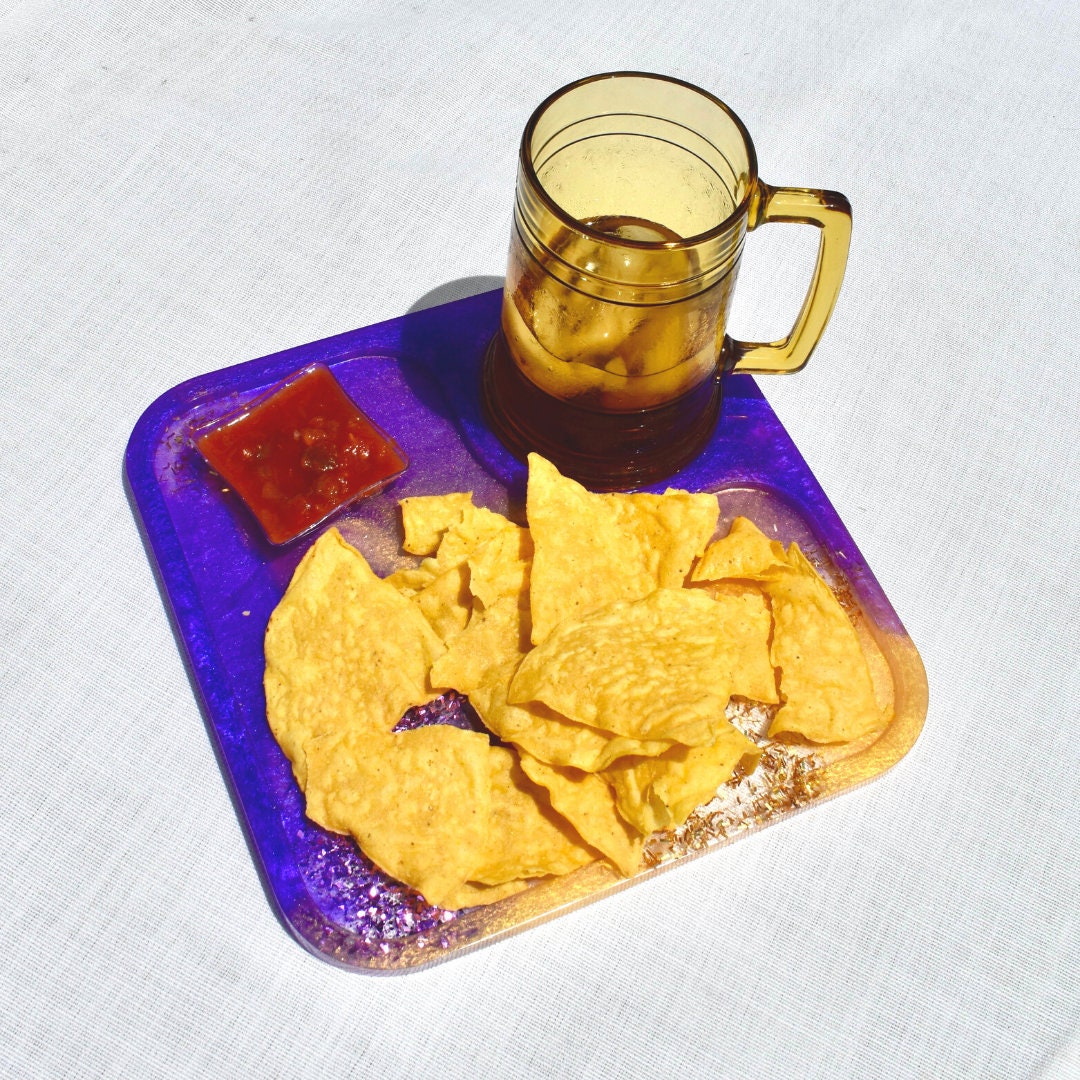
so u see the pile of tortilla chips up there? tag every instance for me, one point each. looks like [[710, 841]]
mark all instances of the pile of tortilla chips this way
[[602, 645]]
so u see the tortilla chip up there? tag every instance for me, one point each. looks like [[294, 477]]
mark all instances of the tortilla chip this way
[[409, 580], [481, 662], [554, 739], [743, 615], [473, 894], [487, 651], [825, 684], [526, 837], [746, 552], [344, 651], [638, 804], [475, 528], [729, 591], [662, 792], [592, 550], [500, 568], [426, 518], [659, 668], [586, 801], [446, 602], [418, 802]]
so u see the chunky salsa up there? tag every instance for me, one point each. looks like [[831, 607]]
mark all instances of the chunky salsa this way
[[301, 453]]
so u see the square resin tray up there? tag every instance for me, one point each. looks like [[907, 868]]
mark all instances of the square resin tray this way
[[418, 377]]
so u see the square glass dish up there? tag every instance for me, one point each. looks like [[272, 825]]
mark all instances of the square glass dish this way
[[299, 453], [418, 378]]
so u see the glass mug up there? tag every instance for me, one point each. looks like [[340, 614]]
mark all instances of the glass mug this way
[[634, 196]]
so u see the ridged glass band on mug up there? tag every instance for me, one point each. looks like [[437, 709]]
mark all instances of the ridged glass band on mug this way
[[634, 196]]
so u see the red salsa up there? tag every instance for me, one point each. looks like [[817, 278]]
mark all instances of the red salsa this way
[[301, 453]]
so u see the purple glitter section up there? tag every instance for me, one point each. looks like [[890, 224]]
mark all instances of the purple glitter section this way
[[418, 376], [356, 896], [452, 709]]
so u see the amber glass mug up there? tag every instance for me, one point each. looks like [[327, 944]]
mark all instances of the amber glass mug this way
[[634, 196]]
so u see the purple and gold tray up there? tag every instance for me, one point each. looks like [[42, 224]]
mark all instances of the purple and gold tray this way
[[418, 376]]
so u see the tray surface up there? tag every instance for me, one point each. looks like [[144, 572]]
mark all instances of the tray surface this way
[[418, 376]]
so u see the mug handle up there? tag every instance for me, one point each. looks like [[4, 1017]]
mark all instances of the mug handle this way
[[831, 213]]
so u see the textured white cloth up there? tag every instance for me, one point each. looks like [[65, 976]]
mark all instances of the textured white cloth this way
[[185, 186]]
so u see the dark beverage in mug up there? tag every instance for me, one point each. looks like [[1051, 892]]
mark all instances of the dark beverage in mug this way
[[605, 450], [634, 197]]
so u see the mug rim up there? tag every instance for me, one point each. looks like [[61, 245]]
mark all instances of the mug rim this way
[[526, 165]]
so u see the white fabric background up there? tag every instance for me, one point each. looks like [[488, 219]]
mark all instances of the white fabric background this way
[[185, 186]]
